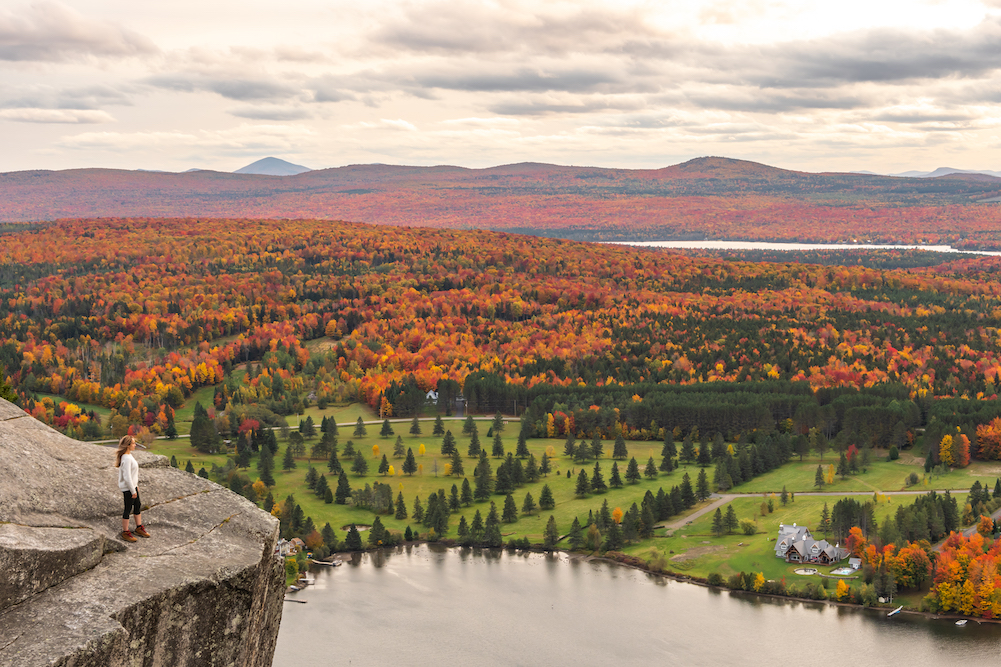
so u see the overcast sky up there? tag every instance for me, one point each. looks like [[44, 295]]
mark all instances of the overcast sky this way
[[820, 86]]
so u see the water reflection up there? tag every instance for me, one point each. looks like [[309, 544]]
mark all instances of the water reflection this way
[[485, 606]]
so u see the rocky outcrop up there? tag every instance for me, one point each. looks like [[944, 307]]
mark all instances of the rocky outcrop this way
[[204, 590]]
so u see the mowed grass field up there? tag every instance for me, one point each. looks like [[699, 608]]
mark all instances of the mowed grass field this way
[[695, 551], [796, 476]]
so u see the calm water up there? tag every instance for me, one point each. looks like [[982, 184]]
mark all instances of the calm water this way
[[763, 245], [423, 605]]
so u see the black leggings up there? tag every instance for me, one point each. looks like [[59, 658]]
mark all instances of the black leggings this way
[[132, 505]]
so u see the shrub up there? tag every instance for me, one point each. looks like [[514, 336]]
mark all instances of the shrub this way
[[715, 579], [912, 479], [894, 454], [748, 527]]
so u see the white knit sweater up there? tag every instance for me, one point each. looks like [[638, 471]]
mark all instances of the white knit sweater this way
[[128, 474]]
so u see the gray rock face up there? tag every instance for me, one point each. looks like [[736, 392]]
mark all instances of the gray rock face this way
[[203, 590]]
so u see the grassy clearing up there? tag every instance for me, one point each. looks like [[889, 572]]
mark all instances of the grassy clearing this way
[[693, 550]]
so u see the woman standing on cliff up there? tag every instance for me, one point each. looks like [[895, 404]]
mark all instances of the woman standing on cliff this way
[[128, 482]]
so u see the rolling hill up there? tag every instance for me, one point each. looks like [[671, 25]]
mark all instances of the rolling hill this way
[[709, 197]]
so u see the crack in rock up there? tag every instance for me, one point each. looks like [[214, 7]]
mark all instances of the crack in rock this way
[[206, 533]]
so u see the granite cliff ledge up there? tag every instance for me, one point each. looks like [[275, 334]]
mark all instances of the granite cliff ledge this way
[[204, 590]]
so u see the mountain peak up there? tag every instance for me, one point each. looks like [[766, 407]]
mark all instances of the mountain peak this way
[[272, 166]]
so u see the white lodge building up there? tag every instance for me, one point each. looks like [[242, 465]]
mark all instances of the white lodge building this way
[[796, 545]]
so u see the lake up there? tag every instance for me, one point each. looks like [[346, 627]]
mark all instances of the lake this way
[[424, 604], [764, 245]]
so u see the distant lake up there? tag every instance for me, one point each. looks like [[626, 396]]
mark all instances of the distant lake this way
[[430, 605], [762, 245]]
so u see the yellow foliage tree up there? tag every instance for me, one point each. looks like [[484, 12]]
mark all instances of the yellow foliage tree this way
[[617, 515], [421, 450], [759, 582], [830, 474], [841, 592], [448, 469], [375, 451], [391, 471], [945, 450]]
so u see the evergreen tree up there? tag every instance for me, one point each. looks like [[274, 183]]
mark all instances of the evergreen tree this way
[[332, 427], [687, 494], [483, 479], [322, 487], [353, 540], [288, 463], [463, 530], [343, 489], [702, 486], [551, 535], [825, 520], [349, 449], [614, 480], [704, 458], [468, 426], [359, 466], [333, 463], [498, 447], [818, 479], [454, 504], [410, 464], [569, 449], [503, 483], [439, 426], [448, 444], [546, 500], [189, 468], [308, 428], [718, 527], [328, 497], [597, 450], [613, 537], [583, 484], [669, 450], [575, 538], [510, 514], [531, 470], [204, 474], [476, 527], [415, 426], [784, 497], [387, 429], [467, 493], [401, 507], [418, 513], [408, 535], [597, 481], [730, 519], [666, 464], [399, 451], [498, 424], [619, 451], [544, 466], [521, 451], [687, 450], [843, 466], [457, 468], [491, 532], [329, 536], [604, 516], [474, 445], [633, 471], [269, 501], [360, 430], [997, 488], [651, 469], [311, 478], [383, 465]]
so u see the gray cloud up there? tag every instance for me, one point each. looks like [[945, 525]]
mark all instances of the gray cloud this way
[[525, 80], [583, 105], [51, 32], [239, 89], [82, 98], [271, 113]]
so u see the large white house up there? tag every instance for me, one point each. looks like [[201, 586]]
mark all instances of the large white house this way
[[797, 545]]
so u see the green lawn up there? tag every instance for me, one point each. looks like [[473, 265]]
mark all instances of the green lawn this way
[[693, 550], [425, 482]]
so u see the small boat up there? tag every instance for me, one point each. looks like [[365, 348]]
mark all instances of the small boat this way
[[896, 611], [293, 588], [961, 623]]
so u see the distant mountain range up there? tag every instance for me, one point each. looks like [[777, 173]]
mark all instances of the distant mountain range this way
[[946, 171], [710, 197]]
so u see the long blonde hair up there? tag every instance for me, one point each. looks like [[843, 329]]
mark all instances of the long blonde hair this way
[[123, 446]]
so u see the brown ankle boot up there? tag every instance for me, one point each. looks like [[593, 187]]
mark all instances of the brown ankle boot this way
[[128, 536], [141, 531]]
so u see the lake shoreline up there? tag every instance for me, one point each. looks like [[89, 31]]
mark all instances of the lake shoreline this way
[[634, 563]]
